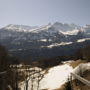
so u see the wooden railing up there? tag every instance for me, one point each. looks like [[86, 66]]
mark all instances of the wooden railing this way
[[84, 81], [1, 73]]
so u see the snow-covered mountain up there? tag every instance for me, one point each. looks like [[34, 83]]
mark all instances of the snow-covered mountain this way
[[19, 28], [36, 40], [42, 32]]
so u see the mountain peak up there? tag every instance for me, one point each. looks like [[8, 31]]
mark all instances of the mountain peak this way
[[16, 27]]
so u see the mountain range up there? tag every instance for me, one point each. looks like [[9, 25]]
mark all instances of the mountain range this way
[[38, 42]]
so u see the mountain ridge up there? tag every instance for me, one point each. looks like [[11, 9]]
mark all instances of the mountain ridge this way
[[37, 41]]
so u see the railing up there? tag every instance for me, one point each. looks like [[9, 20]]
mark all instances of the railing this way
[[2, 72], [84, 81]]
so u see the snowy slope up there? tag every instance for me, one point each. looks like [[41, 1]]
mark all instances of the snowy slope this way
[[57, 76], [58, 44], [47, 30], [67, 29], [22, 38], [82, 40], [25, 28], [19, 28], [73, 32], [81, 68], [52, 80]]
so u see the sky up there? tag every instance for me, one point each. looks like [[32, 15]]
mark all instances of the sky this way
[[42, 12]]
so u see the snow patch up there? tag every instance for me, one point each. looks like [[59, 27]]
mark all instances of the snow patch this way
[[43, 40], [73, 32], [81, 68], [58, 44], [82, 40]]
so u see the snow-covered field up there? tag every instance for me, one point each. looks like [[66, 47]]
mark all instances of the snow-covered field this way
[[55, 77]]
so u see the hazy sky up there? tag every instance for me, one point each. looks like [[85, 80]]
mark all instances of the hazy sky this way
[[39, 12]]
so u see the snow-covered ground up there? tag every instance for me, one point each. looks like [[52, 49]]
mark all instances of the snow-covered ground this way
[[55, 77], [81, 68]]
